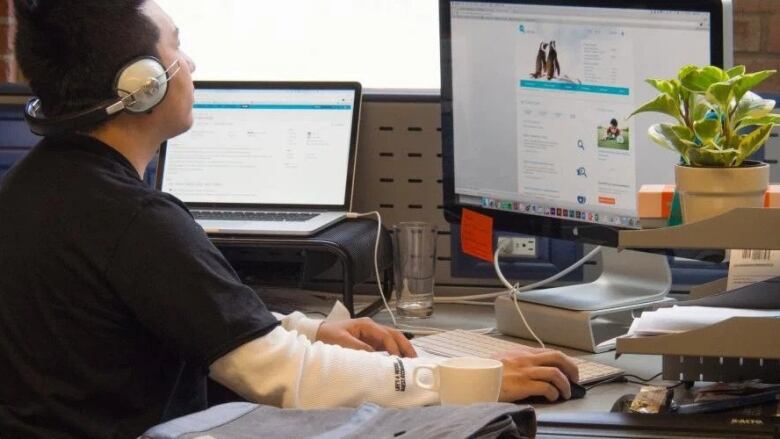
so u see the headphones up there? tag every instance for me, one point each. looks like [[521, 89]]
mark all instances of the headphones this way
[[139, 86]]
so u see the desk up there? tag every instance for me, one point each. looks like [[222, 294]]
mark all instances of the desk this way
[[555, 420]]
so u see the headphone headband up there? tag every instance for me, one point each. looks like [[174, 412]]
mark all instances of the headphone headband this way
[[140, 86]]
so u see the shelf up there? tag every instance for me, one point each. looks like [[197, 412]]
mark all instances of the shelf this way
[[725, 339], [738, 349], [744, 228]]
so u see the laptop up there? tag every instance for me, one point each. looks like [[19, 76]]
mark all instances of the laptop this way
[[266, 158]]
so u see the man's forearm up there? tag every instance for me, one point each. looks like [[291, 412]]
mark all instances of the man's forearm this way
[[297, 321], [285, 369]]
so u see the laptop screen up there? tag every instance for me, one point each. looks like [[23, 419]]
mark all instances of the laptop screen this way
[[265, 146]]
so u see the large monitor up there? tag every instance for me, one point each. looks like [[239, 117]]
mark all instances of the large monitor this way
[[535, 103], [390, 46]]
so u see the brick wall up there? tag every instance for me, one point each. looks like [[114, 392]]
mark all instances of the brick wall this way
[[7, 26], [756, 38]]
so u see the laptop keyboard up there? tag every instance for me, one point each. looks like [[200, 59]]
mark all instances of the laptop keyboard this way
[[243, 215]]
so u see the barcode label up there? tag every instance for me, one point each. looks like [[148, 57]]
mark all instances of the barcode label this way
[[757, 255], [750, 266]]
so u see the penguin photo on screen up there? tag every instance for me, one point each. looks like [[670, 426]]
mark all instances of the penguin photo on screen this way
[[541, 61], [553, 66]]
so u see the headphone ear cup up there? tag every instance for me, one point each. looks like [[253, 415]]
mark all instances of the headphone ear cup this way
[[141, 78]]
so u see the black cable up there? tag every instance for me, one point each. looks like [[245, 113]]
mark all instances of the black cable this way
[[641, 383], [642, 379], [624, 379], [676, 385], [617, 379]]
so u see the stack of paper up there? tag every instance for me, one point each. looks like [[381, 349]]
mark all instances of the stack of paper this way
[[685, 318]]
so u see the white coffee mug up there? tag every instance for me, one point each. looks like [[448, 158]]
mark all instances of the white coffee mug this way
[[464, 380]]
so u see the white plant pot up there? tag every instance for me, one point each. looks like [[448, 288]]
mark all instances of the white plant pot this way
[[706, 192]]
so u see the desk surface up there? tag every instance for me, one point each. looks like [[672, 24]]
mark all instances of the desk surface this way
[[598, 399], [589, 417]]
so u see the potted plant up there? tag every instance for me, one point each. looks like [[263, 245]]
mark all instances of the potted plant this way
[[718, 124]]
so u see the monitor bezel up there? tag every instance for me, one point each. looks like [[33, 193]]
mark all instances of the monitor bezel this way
[[538, 225], [282, 85]]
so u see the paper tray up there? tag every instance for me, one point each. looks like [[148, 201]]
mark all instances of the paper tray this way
[[739, 337], [737, 349], [743, 228]]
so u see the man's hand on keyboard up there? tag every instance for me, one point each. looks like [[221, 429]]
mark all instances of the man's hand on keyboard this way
[[536, 372], [366, 335]]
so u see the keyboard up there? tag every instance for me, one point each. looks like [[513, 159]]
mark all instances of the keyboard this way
[[248, 215], [469, 344]]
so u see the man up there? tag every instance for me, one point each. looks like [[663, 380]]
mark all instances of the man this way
[[114, 305]]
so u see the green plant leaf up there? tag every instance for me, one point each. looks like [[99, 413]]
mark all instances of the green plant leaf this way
[[745, 83], [769, 119], [720, 94], [707, 156], [685, 70], [714, 71], [752, 106], [670, 87], [700, 108], [732, 142], [707, 130], [752, 142], [665, 135], [699, 80], [662, 104], [736, 71], [683, 132]]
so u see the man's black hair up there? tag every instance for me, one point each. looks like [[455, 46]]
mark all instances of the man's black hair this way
[[613, 122], [72, 50]]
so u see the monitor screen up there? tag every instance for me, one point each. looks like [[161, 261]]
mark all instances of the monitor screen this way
[[390, 46], [538, 97], [264, 146]]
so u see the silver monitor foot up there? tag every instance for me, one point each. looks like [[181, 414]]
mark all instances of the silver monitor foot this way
[[585, 316]]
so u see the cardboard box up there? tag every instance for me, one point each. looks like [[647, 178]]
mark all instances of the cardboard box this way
[[655, 200]]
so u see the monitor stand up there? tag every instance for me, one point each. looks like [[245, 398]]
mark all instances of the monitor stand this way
[[589, 316]]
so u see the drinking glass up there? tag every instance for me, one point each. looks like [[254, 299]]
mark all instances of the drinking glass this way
[[414, 267]]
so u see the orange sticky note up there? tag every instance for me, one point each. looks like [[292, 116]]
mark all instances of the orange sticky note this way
[[476, 235]]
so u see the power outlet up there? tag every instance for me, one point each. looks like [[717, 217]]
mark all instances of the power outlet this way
[[518, 247]]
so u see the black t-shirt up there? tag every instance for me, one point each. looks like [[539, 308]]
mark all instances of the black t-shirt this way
[[113, 302]]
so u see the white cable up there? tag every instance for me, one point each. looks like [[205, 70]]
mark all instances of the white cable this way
[[513, 290], [353, 215], [469, 300], [417, 330], [533, 286]]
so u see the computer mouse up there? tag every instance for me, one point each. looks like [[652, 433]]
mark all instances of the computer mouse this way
[[577, 392]]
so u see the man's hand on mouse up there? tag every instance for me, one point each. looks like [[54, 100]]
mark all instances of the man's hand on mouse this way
[[536, 372], [366, 335]]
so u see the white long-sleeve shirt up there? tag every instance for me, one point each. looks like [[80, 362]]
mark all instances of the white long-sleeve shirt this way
[[288, 368]]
